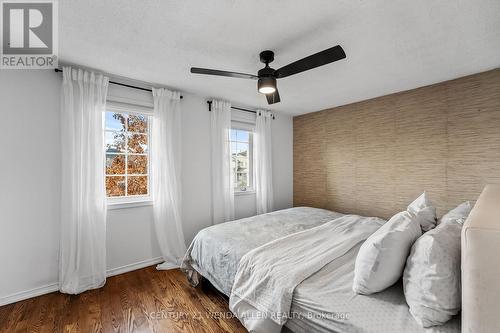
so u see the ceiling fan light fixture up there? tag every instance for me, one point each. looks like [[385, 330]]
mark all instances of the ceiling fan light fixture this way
[[267, 90], [266, 85]]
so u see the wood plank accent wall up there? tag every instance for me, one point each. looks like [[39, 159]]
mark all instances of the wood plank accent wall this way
[[374, 157]]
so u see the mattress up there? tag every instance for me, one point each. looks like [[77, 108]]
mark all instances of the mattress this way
[[325, 302]]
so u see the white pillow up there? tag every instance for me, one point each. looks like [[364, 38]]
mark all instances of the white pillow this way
[[431, 279], [381, 258]]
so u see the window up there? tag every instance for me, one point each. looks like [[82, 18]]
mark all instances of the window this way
[[241, 158], [127, 138]]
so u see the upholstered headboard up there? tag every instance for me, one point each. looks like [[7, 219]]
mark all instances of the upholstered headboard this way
[[374, 157], [481, 265]]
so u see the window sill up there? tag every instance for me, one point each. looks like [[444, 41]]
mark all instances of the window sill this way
[[249, 192], [129, 204]]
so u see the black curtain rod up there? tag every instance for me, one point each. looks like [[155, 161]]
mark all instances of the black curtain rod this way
[[233, 107], [121, 84]]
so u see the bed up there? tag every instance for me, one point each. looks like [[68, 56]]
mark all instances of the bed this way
[[325, 302]]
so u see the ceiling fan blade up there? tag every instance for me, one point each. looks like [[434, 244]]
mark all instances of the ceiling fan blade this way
[[273, 98], [207, 71], [319, 59]]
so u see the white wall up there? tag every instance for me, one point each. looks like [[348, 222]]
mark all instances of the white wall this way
[[29, 179], [29, 188], [283, 161]]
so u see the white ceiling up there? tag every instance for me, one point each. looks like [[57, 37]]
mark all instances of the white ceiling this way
[[390, 45]]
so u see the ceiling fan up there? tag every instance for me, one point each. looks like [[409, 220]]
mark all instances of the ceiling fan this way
[[267, 76]]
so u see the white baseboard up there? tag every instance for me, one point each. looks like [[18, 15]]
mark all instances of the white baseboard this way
[[22, 295], [134, 266]]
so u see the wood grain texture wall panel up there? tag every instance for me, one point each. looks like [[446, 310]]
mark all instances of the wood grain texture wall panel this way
[[340, 160], [376, 156], [474, 134], [308, 161], [421, 145]]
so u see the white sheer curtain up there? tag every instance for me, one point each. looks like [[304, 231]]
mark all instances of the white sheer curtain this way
[[82, 259], [166, 176], [222, 180], [263, 162]]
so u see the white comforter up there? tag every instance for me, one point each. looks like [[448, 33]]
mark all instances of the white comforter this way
[[216, 251], [267, 276]]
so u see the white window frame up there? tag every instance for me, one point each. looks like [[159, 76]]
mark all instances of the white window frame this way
[[118, 106], [251, 129]]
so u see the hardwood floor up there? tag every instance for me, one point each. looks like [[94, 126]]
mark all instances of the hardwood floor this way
[[143, 301]]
